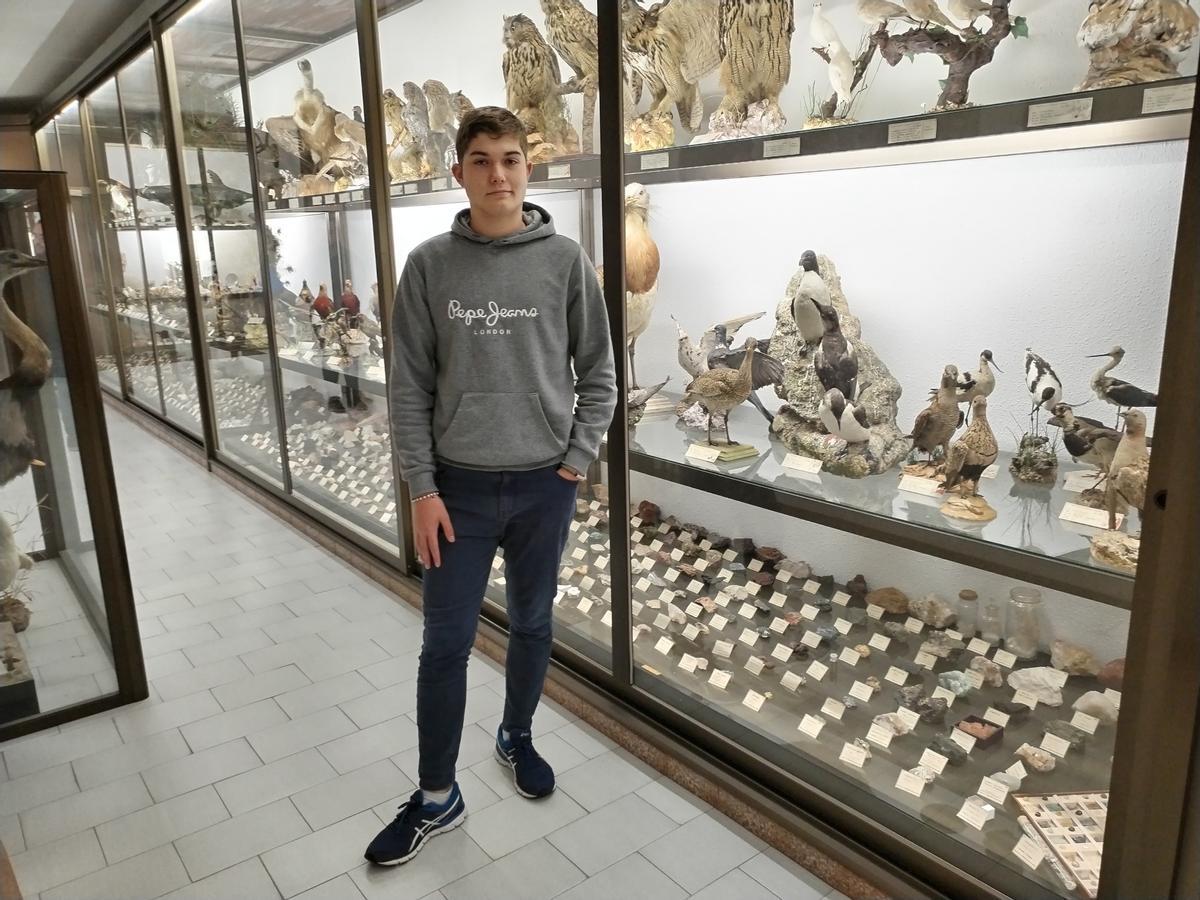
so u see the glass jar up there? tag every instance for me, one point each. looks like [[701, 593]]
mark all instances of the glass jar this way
[[968, 613], [991, 623], [1023, 636]]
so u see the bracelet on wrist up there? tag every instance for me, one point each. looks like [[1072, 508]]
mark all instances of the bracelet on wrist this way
[[426, 497]]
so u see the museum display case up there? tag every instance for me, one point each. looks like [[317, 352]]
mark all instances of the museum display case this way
[[893, 286], [67, 622]]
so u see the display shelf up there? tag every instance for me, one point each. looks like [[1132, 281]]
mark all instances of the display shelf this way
[[370, 377], [1026, 540]]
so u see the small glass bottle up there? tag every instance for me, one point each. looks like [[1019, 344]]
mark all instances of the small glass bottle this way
[[1023, 636], [968, 613], [991, 623]]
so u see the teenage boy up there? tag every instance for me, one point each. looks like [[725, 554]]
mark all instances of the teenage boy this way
[[502, 387]]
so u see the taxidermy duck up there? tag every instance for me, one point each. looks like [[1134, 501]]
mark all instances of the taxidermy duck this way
[[1115, 391], [1130, 466], [29, 372], [844, 419], [694, 357], [765, 370], [811, 290], [836, 360], [720, 390], [1087, 440], [973, 452], [936, 423]]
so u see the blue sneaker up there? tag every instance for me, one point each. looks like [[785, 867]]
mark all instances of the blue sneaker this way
[[415, 824], [532, 775]]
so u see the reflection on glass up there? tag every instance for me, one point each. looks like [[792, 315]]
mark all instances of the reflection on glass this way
[[156, 229], [225, 238], [799, 642], [53, 627], [122, 247], [47, 147]]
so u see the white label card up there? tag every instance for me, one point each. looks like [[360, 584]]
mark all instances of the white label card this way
[[790, 681], [755, 565], [1085, 515], [1061, 112], [1005, 659], [696, 587], [664, 645], [778, 599], [996, 717], [809, 612], [562, 170], [747, 610], [723, 649], [782, 652], [749, 637], [914, 625], [925, 660], [895, 675], [703, 453], [1056, 745], [980, 646], [1114, 696], [842, 626], [849, 656], [719, 678], [974, 679], [811, 639], [874, 611], [811, 725], [853, 755], [1168, 99], [811, 587], [651, 161], [691, 632], [908, 717], [904, 132], [606, 619], [879, 642], [860, 690], [694, 610], [779, 625], [841, 598], [718, 622], [909, 783], [788, 146], [931, 759], [579, 553], [585, 605], [945, 694], [964, 740], [1017, 770], [880, 736], [1025, 697], [817, 670], [661, 621], [688, 663], [1029, 851], [973, 815], [783, 576], [833, 708], [914, 484], [991, 789], [754, 665], [754, 700]]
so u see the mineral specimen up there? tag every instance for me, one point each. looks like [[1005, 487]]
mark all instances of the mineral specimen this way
[[1112, 675], [954, 754], [893, 723], [992, 674], [1040, 682], [934, 611], [893, 600], [1073, 659], [1094, 703], [956, 682], [1036, 758]]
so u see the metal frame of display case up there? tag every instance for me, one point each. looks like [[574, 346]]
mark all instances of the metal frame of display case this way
[[1149, 820], [95, 461]]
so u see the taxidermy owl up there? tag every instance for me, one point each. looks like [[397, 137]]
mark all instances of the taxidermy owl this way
[[461, 104], [755, 46], [572, 31], [531, 80], [673, 46], [441, 113]]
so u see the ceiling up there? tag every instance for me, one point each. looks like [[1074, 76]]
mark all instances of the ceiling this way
[[42, 43]]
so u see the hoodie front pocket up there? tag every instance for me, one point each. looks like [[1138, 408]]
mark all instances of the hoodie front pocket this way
[[499, 430]]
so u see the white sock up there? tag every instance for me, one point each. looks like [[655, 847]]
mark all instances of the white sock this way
[[505, 736], [438, 798]]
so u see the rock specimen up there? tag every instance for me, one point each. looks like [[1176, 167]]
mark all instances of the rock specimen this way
[[1112, 675], [1039, 681], [942, 647], [798, 422], [956, 682], [862, 650], [1036, 758], [770, 557], [1134, 41], [954, 754], [1076, 737], [797, 568], [856, 587], [13, 610], [893, 600], [1073, 659], [934, 611], [992, 674], [979, 730], [1116, 549], [897, 632], [892, 723], [1094, 703], [649, 513]]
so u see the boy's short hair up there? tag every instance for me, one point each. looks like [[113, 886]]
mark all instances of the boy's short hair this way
[[491, 120]]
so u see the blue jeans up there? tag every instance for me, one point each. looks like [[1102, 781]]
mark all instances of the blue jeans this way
[[528, 515]]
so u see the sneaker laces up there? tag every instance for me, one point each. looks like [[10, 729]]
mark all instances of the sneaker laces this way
[[521, 745], [411, 809]]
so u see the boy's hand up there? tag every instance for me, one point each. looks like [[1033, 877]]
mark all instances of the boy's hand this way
[[429, 516], [568, 475]]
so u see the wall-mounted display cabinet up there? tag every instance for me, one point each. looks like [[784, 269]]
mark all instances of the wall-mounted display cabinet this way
[[895, 288]]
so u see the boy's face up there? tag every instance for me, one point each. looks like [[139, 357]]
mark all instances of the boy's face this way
[[494, 173]]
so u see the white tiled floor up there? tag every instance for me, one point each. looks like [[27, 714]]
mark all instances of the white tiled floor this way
[[280, 737]]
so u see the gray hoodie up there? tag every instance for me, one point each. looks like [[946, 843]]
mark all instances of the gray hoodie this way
[[484, 335]]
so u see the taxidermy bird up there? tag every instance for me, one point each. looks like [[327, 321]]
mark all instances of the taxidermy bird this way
[[936, 423], [532, 79], [641, 268], [969, 10], [820, 30], [441, 113], [637, 399], [979, 383], [694, 357], [1115, 391], [572, 31], [836, 361], [223, 197], [1044, 387], [393, 106], [12, 560], [461, 104], [673, 45], [841, 72], [1087, 440], [1130, 465], [352, 133], [721, 390], [313, 117], [877, 13], [811, 294], [974, 451], [754, 41], [844, 419], [416, 119], [765, 369], [120, 196], [28, 373], [927, 13]]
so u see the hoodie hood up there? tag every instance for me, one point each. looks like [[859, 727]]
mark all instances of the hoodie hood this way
[[538, 225]]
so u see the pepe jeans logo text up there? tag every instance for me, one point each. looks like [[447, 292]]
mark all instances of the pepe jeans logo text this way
[[489, 317]]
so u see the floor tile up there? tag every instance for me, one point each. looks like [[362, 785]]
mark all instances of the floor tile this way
[[735, 885], [240, 838], [515, 822], [698, 853], [672, 800], [274, 781], [78, 812], [446, 858], [321, 695], [57, 863], [325, 854], [258, 687], [45, 751], [199, 615], [167, 664], [158, 717], [340, 888], [371, 744], [300, 734], [178, 640], [18, 794], [236, 644], [256, 620], [329, 662], [536, 871], [299, 626], [341, 797], [201, 678], [160, 824], [602, 779], [388, 672], [633, 878], [586, 740], [611, 833], [381, 705], [136, 756], [246, 881], [201, 768], [783, 877]]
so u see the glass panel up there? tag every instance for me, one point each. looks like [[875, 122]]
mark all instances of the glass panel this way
[[160, 242], [122, 246], [225, 234], [87, 231], [47, 146], [426, 90], [53, 625]]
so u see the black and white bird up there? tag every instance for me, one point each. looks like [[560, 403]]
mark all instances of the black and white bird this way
[[1086, 440], [693, 358], [811, 289], [836, 360], [765, 370], [1045, 388], [979, 383], [1115, 391], [844, 419]]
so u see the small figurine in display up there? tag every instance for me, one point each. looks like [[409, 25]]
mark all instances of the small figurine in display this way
[[811, 294], [755, 46], [927, 13], [765, 370], [28, 371], [221, 197], [836, 361], [843, 419], [442, 117], [969, 456], [719, 391], [1115, 391], [1087, 440], [841, 74], [1035, 460], [1130, 465], [936, 424], [305, 296], [350, 303]]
